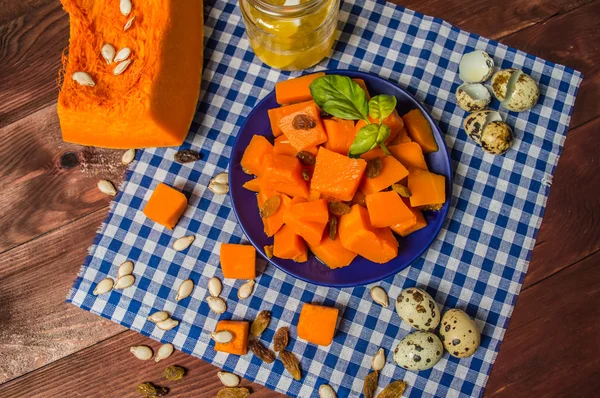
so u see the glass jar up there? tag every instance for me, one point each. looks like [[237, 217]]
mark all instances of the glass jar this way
[[291, 34]]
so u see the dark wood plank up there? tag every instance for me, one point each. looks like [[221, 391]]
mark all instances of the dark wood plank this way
[[551, 346], [570, 229], [11, 9], [38, 327], [46, 182]]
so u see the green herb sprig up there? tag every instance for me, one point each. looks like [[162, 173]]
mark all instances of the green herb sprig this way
[[342, 97]]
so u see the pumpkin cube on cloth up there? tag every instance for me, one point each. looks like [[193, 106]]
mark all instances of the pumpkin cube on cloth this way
[[337, 176], [166, 205], [317, 324], [239, 344], [238, 261]]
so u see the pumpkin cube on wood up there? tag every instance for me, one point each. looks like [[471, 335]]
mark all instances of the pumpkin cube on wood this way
[[165, 206], [238, 261], [255, 154], [336, 175], [387, 209], [239, 344], [426, 188], [317, 324]]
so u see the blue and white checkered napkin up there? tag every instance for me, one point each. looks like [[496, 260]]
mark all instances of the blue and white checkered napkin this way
[[477, 263]]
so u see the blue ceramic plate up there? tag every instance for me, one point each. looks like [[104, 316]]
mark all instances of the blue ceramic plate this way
[[361, 271]]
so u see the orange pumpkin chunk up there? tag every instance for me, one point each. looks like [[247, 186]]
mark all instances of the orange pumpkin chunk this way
[[295, 90], [337, 175], [274, 222], [406, 228], [332, 253], [288, 245], [307, 134], [410, 155], [373, 153], [387, 209], [313, 194], [239, 344], [282, 146], [253, 185], [165, 206], [276, 114], [363, 85], [312, 232], [358, 235], [317, 324], [255, 154], [392, 172], [284, 174], [340, 135], [420, 131], [426, 188], [401, 138], [238, 261], [315, 211]]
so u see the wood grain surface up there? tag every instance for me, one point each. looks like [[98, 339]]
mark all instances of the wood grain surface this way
[[50, 210]]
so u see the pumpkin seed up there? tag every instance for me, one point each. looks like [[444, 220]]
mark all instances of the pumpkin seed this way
[[164, 351], [378, 361], [128, 156], [401, 190], [121, 66], [123, 54], [326, 391], [262, 352], [229, 379], [128, 24], [159, 316], [374, 167], [306, 158], [305, 175], [332, 227], [216, 304], [281, 339], [269, 251], [142, 352], [393, 390], [219, 189], [83, 79], [108, 53], [149, 390], [174, 372], [291, 364], [125, 269], [221, 178], [106, 187], [270, 206], [183, 243], [124, 282], [167, 324], [222, 336], [260, 323], [233, 392], [215, 287], [338, 208], [186, 156], [303, 122], [125, 7], [380, 296], [104, 286], [185, 289], [246, 290], [370, 384]]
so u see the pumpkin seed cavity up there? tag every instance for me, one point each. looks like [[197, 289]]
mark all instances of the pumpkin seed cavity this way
[[374, 167], [270, 206]]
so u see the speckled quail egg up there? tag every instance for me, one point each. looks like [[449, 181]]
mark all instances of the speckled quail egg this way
[[418, 351], [496, 138], [476, 67], [460, 334], [476, 121], [473, 97], [418, 308], [515, 89]]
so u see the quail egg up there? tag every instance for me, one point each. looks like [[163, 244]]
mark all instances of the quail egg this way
[[418, 351], [496, 138], [476, 67], [473, 97], [516, 90], [476, 121], [418, 308], [460, 334]]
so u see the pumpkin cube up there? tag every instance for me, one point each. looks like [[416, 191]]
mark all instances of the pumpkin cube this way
[[420, 131], [312, 232], [288, 245], [284, 175], [239, 344], [315, 211], [387, 209], [238, 261], [165, 206], [426, 188], [336, 175], [391, 172], [275, 221], [255, 154], [340, 135], [303, 127], [410, 155], [253, 185], [317, 324], [406, 228], [295, 90], [332, 253]]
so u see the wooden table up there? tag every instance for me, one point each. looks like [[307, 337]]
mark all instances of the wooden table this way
[[50, 210]]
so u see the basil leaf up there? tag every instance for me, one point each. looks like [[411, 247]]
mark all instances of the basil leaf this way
[[381, 106], [340, 96], [369, 137]]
